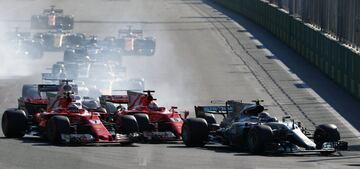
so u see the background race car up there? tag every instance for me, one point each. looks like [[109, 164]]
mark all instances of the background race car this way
[[59, 39], [131, 42], [52, 19], [98, 77]]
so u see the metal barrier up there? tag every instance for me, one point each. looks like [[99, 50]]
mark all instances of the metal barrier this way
[[340, 18], [340, 63]]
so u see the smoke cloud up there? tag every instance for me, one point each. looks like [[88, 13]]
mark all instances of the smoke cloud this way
[[13, 62]]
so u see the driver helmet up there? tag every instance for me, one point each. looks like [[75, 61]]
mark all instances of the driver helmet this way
[[74, 107], [265, 117], [153, 105]]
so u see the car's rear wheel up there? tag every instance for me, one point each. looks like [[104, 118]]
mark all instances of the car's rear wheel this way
[[258, 137], [195, 132], [56, 126], [14, 123]]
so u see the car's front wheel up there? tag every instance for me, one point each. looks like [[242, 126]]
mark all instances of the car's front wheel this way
[[195, 132], [258, 137], [56, 126]]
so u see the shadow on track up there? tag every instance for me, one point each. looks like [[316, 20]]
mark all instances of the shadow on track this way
[[241, 152], [37, 141]]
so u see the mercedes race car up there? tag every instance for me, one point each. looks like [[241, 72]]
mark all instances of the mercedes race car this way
[[248, 127], [59, 39], [156, 123], [131, 42], [56, 113], [52, 19], [21, 43]]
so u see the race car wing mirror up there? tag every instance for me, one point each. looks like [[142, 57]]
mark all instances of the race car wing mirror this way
[[285, 118]]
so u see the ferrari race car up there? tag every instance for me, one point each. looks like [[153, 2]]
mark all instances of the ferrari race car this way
[[155, 123], [22, 44], [59, 39], [56, 113], [248, 127], [131, 42], [52, 19]]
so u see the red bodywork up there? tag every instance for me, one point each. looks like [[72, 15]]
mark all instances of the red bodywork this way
[[164, 120], [82, 118], [83, 121]]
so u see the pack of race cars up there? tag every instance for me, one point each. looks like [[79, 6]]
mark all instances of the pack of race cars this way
[[76, 103]]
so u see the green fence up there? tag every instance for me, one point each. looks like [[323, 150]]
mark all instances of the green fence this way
[[337, 61]]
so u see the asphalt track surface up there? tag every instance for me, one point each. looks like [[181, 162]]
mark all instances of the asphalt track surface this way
[[202, 55]]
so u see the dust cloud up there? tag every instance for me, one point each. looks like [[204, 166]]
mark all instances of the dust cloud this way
[[13, 62]]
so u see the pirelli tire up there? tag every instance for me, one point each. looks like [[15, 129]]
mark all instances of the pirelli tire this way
[[128, 124], [14, 123], [195, 132], [56, 126], [325, 133], [258, 138], [143, 122]]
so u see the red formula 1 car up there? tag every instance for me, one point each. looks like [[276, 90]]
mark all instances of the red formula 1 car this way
[[155, 123], [64, 120]]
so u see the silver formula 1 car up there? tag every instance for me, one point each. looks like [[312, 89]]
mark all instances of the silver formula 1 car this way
[[249, 127]]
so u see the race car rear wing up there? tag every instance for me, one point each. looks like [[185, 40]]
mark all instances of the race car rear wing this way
[[52, 9], [55, 88], [48, 76], [200, 111], [119, 99], [133, 31], [48, 88]]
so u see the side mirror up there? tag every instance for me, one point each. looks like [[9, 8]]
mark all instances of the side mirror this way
[[173, 107]]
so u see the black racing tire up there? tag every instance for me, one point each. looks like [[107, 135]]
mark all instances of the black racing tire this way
[[56, 126], [195, 132], [143, 122], [325, 133], [128, 124], [258, 137], [210, 118], [14, 123]]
